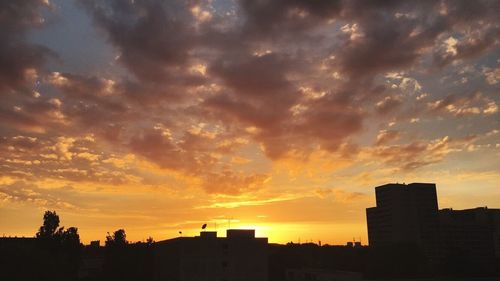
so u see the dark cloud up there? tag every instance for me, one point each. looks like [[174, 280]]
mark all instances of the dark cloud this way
[[285, 18], [261, 76], [92, 90], [475, 44], [12, 118], [387, 37], [19, 60], [153, 38]]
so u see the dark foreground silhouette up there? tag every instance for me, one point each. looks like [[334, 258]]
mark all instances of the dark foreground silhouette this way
[[55, 253]]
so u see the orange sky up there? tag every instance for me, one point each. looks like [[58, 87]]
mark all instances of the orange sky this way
[[160, 116]]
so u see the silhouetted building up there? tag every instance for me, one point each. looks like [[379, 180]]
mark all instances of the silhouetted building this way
[[92, 262], [451, 240], [356, 244], [322, 275], [17, 243], [471, 232], [238, 257], [405, 214]]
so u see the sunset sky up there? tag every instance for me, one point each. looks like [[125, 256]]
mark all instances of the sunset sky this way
[[279, 115]]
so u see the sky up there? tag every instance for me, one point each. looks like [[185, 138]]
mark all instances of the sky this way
[[282, 116]]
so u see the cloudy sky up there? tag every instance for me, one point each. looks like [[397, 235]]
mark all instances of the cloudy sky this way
[[280, 115]]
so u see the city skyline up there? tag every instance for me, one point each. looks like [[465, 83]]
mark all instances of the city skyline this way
[[280, 116]]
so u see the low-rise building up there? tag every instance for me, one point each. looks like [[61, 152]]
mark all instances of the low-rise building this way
[[322, 275], [474, 232], [239, 256]]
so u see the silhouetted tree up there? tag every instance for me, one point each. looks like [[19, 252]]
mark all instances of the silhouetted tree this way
[[70, 236], [59, 250], [50, 225], [150, 241], [119, 238]]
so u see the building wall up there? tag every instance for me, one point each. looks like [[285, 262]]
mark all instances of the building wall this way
[[473, 232], [404, 214], [238, 257], [321, 275], [409, 214]]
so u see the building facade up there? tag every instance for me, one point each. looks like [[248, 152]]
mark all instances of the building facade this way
[[405, 214], [409, 214], [239, 256], [471, 232], [307, 274]]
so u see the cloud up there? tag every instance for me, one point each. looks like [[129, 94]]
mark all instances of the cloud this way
[[230, 183], [195, 155], [388, 104], [73, 159], [471, 104], [20, 59], [471, 45], [259, 58], [386, 136], [285, 17], [197, 84], [22, 192], [492, 76], [339, 195], [154, 38], [417, 154], [476, 27]]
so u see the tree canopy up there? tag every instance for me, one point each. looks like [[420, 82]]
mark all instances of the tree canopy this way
[[50, 225], [119, 238]]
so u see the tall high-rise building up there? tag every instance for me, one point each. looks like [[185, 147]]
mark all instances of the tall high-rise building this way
[[405, 214]]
